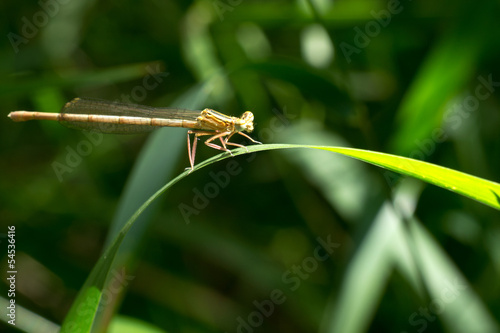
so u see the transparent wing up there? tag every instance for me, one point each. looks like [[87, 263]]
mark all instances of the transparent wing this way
[[112, 108]]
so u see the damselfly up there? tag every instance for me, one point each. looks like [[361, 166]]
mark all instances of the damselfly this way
[[123, 118]]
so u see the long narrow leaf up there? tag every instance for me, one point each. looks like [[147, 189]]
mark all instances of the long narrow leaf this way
[[476, 188]]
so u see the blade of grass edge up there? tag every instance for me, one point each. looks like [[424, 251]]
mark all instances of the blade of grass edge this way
[[479, 189], [473, 187], [152, 169], [82, 313]]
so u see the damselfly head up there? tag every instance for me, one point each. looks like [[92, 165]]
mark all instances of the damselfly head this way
[[245, 122]]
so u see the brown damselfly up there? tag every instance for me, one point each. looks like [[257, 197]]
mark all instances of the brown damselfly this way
[[123, 118]]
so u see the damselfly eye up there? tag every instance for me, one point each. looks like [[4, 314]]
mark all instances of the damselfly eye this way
[[246, 122], [247, 116]]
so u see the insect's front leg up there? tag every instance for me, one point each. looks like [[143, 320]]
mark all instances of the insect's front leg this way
[[220, 136], [237, 144]]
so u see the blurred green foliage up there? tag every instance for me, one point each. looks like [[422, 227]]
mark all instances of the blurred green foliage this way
[[234, 247]]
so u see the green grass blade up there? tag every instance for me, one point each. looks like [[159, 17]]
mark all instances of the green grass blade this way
[[482, 190], [82, 314], [479, 189], [476, 188], [90, 296]]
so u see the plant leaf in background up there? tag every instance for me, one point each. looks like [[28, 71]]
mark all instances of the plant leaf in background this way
[[424, 105], [392, 245], [118, 74], [123, 324]]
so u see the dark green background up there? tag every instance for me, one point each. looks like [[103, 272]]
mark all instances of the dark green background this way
[[403, 89]]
